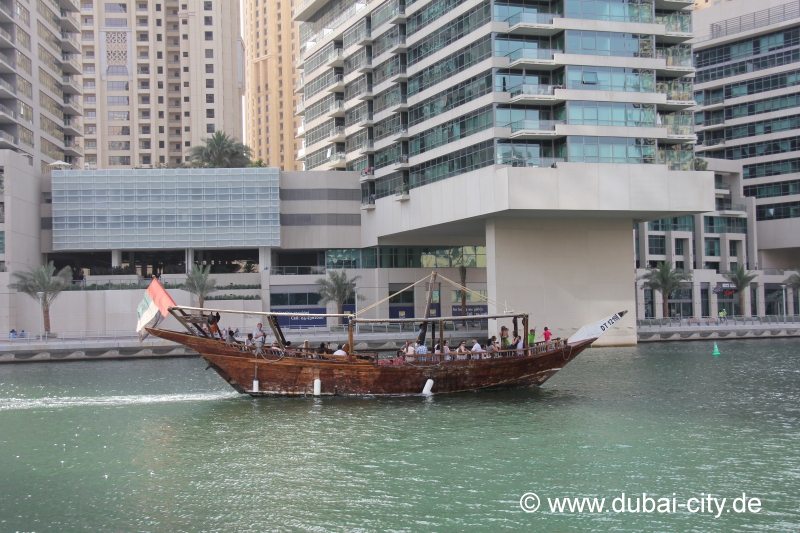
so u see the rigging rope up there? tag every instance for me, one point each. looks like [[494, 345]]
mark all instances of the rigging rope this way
[[393, 295], [479, 295]]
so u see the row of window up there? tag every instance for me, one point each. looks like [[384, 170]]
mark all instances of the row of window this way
[[747, 48], [750, 65], [771, 190], [746, 151]]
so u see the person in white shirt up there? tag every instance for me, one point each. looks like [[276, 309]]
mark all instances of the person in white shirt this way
[[446, 351], [258, 335], [476, 348], [340, 351]]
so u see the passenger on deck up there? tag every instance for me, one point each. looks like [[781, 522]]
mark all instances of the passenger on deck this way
[[476, 348], [491, 349], [422, 352], [519, 344], [446, 351], [249, 341], [461, 351], [504, 344], [231, 337], [547, 334], [258, 335], [340, 351]]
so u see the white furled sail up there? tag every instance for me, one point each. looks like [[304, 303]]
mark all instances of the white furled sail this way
[[593, 331]]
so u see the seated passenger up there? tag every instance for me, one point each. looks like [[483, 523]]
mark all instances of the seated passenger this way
[[340, 351], [461, 351]]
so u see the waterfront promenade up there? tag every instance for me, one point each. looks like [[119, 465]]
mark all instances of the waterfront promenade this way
[[734, 327]]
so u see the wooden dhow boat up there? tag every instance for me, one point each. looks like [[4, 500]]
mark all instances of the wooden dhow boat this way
[[295, 371]]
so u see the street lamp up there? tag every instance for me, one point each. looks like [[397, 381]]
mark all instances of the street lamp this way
[[40, 295], [783, 286]]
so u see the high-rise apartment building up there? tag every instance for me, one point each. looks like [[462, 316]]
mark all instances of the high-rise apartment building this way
[[522, 125], [271, 50], [747, 119], [158, 77], [39, 59]]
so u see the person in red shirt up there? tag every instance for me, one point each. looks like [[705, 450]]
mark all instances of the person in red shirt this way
[[547, 334]]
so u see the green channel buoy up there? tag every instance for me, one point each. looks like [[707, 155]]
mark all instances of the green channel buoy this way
[[716, 350]]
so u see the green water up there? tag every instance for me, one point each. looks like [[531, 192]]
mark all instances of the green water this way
[[162, 445]]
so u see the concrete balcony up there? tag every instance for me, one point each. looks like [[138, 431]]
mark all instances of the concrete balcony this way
[[7, 64], [535, 129], [337, 84], [399, 16], [366, 66], [69, 5], [6, 14], [542, 58], [367, 147], [366, 120], [399, 45], [400, 105], [731, 210], [73, 128], [337, 109], [7, 140], [70, 85], [69, 21], [525, 93], [366, 93], [336, 134], [71, 107], [7, 90], [301, 154], [7, 115], [399, 75], [300, 109], [335, 58], [301, 131], [540, 24], [401, 162], [338, 160], [6, 39], [69, 64], [400, 135], [69, 43], [73, 148]]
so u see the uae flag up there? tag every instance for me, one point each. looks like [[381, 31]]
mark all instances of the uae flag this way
[[153, 309]]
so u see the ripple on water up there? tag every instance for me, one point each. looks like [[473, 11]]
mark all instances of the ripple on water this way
[[163, 446]]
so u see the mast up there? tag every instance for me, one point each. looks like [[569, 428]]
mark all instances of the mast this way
[[423, 332]]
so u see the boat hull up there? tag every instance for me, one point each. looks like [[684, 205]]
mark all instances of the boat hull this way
[[295, 376]]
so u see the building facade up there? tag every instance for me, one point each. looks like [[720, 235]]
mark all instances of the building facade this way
[[158, 77], [542, 130], [746, 120], [271, 50]]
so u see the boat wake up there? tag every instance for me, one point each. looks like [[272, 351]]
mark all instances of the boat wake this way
[[11, 404]]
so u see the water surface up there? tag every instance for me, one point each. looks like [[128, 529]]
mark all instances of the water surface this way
[[162, 445]]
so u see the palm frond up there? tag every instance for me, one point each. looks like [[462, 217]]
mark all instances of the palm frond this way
[[42, 279]]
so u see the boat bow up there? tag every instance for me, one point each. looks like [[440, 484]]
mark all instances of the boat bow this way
[[592, 332]]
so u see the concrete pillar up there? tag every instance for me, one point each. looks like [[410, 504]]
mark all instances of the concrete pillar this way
[[116, 258], [264, 264], [761, 304], [189, 259], [790, 302], [658, 305], [713, 311], [540, 266], [697, 300], [264, 257], [747, 301]]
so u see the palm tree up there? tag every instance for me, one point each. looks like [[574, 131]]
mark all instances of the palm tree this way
[[220, 151], [44, 280], [257, 163], [336, 288], [666, 280], [741, 279], [199, 284]]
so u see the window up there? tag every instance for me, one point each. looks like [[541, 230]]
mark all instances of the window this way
[[209, 113], [209, 98], [116, 85], [116, 160], [657, 244], [118, 100], [207, 6], [209, 53], [209, 36], [733, 248], [116, 7], [209, 69], [119, 115], [678, 246], [209, 84], [712, 247], [210, 128], [207, 21]]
